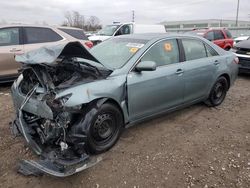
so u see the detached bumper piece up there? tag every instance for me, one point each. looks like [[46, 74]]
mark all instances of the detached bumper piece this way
[[36, 168]]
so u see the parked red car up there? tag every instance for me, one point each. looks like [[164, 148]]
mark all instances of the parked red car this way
[[220, 37]]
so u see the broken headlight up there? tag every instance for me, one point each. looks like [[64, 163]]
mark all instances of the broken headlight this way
[[60, 102]]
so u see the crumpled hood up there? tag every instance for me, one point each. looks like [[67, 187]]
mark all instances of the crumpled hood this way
[[49, 54]]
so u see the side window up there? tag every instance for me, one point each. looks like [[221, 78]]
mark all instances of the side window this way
[[194, 49], [124, 30], [40, 35], [210, 35], [163, 53], [210, 51], [9, 36], [218, 35]]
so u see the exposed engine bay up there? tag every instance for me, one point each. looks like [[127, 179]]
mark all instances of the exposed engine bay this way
[[61, 75], [54, 131]]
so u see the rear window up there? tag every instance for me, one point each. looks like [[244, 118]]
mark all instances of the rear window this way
[[40, 35], [78, 34], [228, 34]]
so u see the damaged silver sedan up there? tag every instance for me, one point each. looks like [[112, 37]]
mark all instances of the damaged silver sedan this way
[[72, 102]]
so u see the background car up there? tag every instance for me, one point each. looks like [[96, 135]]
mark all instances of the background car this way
[[242, 51], [18, 39], [83, 105], [220, 37], [117, 29], [241, 38]]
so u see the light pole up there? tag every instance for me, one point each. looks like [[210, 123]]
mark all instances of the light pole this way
[[237, 14], [133, 16]]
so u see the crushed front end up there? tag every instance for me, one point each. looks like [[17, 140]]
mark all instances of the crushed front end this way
[[46, 124]]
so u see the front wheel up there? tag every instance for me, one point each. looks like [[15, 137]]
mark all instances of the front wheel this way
[[104, 129], [218, 92]]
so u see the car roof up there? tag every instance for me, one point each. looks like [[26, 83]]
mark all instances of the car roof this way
[[33, 25], [155, 36]]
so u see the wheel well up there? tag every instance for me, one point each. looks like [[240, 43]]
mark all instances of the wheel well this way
[[227, 77], [113, 102]]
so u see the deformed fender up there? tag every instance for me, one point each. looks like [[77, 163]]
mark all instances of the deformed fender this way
[[113, 88]]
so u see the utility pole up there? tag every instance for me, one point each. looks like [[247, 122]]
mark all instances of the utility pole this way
[[237, 15], [133, 16]]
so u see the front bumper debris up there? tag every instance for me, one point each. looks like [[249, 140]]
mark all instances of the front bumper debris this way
[[49, 162], [40, 167], [55, 161]]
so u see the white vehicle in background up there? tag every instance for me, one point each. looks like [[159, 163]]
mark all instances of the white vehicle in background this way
[[241, 38], [125, 29]]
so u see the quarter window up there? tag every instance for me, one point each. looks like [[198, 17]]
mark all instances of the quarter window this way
[[163, 53], [218, 35], [9, 36], [194, 49], [40, 35], [210, 51], [76, 33]]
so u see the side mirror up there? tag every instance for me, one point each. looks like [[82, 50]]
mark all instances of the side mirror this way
[[145, 66]]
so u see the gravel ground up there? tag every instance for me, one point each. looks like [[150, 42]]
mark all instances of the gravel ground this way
[[195, 147]]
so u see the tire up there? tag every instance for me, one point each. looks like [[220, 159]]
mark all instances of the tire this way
[[227, 48], [218, 92], [105, 129]]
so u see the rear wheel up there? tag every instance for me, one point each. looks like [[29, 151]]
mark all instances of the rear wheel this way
[[218, 92], [105, 128]]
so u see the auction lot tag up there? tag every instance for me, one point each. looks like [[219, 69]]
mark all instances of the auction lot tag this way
[[168, 47], [133, 50], [135, 45]]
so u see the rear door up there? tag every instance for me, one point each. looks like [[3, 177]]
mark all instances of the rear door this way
[[200, 66], [10, 45], [36, 37], [229, 38], [150, 92]]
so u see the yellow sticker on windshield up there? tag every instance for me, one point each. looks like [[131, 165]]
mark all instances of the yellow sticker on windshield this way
[[133, 50], [168, 47]]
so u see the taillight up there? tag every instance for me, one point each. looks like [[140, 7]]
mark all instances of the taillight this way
[[236, 60], [89, 44]]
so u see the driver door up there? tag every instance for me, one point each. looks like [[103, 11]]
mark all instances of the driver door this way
[[151, 92]]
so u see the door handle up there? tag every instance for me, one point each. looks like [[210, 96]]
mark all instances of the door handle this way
[[15, 50], [179, 71], [216, 62]]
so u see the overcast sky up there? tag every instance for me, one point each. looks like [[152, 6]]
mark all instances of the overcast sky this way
[[146, 11]]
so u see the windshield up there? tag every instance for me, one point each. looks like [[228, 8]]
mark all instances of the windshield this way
[[115, 53], [108, 30]]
